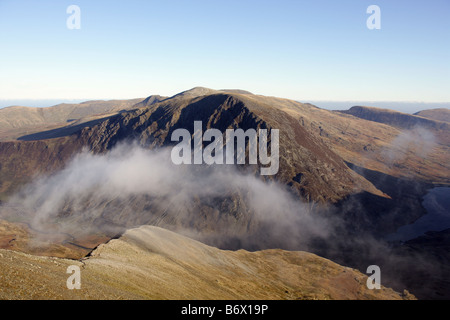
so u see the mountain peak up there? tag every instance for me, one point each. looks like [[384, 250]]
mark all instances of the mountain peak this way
[[196, 92], [203, 91]]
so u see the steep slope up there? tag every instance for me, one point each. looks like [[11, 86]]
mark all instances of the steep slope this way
[[309, 166], [434, 249], [153, 263]]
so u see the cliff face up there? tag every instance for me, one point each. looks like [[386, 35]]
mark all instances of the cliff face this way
[[324, 176]]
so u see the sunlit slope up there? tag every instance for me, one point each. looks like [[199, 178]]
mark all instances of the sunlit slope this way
[[153, 263]]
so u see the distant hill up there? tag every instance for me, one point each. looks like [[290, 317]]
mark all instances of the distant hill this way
[[440, 130], [441, 114], [18, 120], [395, 118], [149, 101]]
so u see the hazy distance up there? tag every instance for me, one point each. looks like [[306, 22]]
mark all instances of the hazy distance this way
[[402, 106]]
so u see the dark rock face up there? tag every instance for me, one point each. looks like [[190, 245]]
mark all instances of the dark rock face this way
[[326, 177]]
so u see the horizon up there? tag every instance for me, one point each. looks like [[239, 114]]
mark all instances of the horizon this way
[[400, 106], [321, 51]]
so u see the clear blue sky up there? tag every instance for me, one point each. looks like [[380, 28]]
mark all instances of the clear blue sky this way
[[303, 50]]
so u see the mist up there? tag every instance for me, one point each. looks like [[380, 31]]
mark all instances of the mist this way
[[223, 205], [227, 206], [417, 140]]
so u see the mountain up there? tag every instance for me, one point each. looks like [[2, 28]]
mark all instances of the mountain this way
[[403, 121], [18, 120], [324, 176], [395, 118], [419, 149], [326, 157], [149, 101], [344, 182], [440, 114], [176, 267]]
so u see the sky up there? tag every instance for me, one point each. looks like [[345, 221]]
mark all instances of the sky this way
[[304, 50]]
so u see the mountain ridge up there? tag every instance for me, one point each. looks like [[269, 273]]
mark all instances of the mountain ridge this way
[[17, 121], [439, 114], [176, 267], [395, 118]]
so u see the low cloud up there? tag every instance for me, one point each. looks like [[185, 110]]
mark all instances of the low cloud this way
[[226, 206], [131, 186], [418, 141]]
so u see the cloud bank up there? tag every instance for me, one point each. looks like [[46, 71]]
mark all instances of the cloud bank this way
[[131, 186]]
